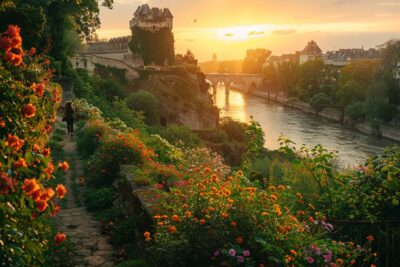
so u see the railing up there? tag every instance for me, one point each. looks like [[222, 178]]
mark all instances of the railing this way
[[386, 238]]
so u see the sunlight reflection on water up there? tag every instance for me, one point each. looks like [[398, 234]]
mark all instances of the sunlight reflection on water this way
[[301, 128]]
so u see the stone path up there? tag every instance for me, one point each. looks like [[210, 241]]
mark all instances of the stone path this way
[[90, 247]]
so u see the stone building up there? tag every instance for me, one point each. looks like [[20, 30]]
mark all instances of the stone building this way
[[310, 52], [343, 57], [152, 19]]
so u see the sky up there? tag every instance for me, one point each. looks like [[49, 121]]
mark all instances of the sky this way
[[229, 27]]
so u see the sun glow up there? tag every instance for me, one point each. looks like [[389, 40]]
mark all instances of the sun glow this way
[[243, 33]]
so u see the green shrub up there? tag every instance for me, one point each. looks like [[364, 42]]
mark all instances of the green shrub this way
[[88, 141], [235, 130], [147, 103], [99, 199], [104, 165], [177, 135], [356, 112]]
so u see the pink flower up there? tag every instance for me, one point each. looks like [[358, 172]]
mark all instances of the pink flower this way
[[310, 260], [240, 259], [232, 252], [246, 253]]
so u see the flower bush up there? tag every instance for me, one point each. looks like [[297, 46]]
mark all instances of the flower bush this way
[[27, 112], [229, 222]]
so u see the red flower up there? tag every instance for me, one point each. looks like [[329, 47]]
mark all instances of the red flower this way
[[46, 152], [47, 194], [11, 38], [32, 51], [6, 184], [14, 58], [239, 240], [41, 205], [30, 187], [14, 142], [56, 209], [20, 163], [29, 110], [59, 238], [38, 89], [61, 191]]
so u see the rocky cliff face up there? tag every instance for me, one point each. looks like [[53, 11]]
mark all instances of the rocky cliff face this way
[[183, 99]]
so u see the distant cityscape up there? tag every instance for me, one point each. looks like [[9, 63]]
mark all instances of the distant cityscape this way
[[312, 51]]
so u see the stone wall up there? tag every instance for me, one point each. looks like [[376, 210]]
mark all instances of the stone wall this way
[[137, 198]]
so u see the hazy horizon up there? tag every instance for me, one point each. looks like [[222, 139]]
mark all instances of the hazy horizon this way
[[229, 27]]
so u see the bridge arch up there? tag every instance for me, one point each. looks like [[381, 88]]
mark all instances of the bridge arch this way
[[247, 82]]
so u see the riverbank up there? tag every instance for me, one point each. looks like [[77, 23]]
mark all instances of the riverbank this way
[[331, 114]]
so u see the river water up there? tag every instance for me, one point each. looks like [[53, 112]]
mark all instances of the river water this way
[[353, 147]]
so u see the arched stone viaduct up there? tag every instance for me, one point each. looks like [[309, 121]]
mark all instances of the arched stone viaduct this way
[[248, 82]]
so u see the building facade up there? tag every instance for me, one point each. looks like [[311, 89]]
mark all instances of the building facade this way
[[152, 19]]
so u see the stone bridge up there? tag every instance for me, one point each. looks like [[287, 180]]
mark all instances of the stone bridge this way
[[246, 82]]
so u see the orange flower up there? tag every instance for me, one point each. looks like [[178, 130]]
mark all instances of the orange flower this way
[[156, 217], [146, 235], [30, 186], [61, 191], [214, 178], [370, 238], [274, 197], [14, 142], [202, 221], [41, 205], [294, 252], [211, 209], [239, 173], [47, 194], [20, 163], [38, 89], [161, 224], [224, 215], [2, 123], [207, 169], [172, 229], [63, 166], [14, 58], [353, 261], [233, 224], [188, 214], [55, 210], [59, 238], [175, 218], [29, 110], [35, 148], [239, 240]]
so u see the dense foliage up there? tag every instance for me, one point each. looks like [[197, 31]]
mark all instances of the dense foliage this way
[[155, 47], [27, 109]]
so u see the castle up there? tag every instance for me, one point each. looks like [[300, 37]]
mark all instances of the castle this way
[[152, 19]]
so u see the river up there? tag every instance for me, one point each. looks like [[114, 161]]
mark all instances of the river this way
[[353, 147]]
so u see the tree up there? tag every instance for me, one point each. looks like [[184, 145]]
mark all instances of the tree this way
[[147, 103], [356, 112], [60, 24], [347, 93], [391, 54], [254, 60], [319, 101], [155, 47], [310, 76]]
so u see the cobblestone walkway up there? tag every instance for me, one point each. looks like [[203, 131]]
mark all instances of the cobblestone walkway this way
[[90, 247]]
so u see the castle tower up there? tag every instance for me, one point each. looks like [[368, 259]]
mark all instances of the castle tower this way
[[152, 19]]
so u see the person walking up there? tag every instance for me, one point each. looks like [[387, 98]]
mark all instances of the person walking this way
[[69, 117]]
